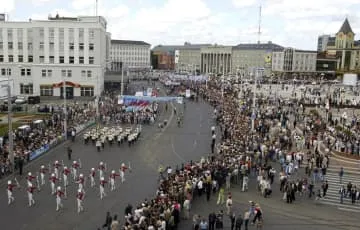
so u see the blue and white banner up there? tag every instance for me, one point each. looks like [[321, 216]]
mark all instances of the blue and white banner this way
[[138, 100], [39, 152]]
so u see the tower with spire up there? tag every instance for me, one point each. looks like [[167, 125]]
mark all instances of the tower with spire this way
[[344, 38]]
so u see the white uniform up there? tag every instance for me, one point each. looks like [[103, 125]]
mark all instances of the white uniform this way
[[80, 198], [30, 192], [92, 177], [102, 189], [59, 194], [10, 188], [122, 172], [42, 174]]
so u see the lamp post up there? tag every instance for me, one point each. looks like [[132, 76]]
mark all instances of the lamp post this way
[[65, 109]]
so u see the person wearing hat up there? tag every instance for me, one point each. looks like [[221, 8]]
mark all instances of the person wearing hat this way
[[43, 171], [113, 176], [81, 182], [53, 180], [29, 178], [102, 187], [80, 198], [59, 194], [10, 188], [30, 192], [92, 177]]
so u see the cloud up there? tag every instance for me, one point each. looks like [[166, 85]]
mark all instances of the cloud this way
[[8, 5], [83, 4], [244, 3]]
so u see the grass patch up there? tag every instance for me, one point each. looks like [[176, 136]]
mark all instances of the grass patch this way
[[4, 128]]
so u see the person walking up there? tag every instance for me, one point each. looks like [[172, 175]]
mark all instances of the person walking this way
[[108, 221]]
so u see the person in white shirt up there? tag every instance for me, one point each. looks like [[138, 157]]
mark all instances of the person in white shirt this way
[[229, 205]]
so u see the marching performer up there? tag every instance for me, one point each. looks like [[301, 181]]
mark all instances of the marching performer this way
[[80, 198], [29, 178], [53, 180], [102, 187], [92, 177], [43, 171], [113, 175], [123, 168], [57, 166], [66, 173], [59, 194], [101, 169], [75, 167], [81, 182], [10, 188], [30, 192]]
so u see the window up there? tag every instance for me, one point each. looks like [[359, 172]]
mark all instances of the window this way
[[61, 59], [30, 58], [46, 90], [41, 32], [83, 73], [52, 59], [91, 46], [89, 73], [71, 46], [23, 72], [6, 72], [61, 46], [20, 58], [1, 58], [87, 91], [10, 34], [10, 45], [81, 60], [41, 59], [20, 45], [26, 88], [61, 32], [28, 72], [51, 32], [71, 60], [51, 45], [43, 72], [91, 60], [81, 46], [49, 73], [69, 73], [41, 46], [81, 33], [3, 72], [1, 45], [11, 58], [63, 73], [30, 46], [91, 33]]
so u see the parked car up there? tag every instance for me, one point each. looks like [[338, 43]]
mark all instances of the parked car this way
[[21, 100]]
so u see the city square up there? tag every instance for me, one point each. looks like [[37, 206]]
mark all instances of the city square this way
[[112, 117]]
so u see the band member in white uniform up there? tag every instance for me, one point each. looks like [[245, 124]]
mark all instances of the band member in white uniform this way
[[101, 170], [59, 194], [30, 192], [10, 188], [81, 181], [57, 166], [113, 175], [80, 198], [66, 173], [43, 171], [29, 179], [102, 189], [92, 177], [122, 172], [53, 180], [75, 167]]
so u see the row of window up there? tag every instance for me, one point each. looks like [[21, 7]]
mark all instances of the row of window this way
[[28, 89], [45, 72], [29, 31], [20, 58], [20, 46], [49, 91]]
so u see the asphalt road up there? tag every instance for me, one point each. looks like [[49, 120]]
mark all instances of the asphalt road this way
[[172, 146]]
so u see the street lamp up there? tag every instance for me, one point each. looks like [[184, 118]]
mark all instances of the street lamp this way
[[65, 109]]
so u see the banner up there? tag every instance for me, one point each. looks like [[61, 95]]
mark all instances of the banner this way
[[138, 101], [39, 152]]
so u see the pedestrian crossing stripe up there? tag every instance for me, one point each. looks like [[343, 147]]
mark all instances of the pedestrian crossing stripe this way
[[332, 197]]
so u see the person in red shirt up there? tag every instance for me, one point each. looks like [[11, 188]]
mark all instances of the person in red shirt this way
[[102, 189], [43, 171], [57, 166], [30, 192], [113, 176], [10, 188], [101, 169], [81, 182], [53, 180], [59, 194], [66, 173], [29, 178], [75, 167], [123, 168], [80, 198], [92, 177]]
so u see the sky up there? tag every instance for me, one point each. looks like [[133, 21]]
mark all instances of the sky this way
[[288, 23]]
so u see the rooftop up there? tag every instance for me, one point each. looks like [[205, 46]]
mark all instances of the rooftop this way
[[259, 46], [171, 48], [346, 28], [129, 42]]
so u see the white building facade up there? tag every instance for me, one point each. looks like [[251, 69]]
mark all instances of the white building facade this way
[[40, 55], [294, 61], [130, 54]]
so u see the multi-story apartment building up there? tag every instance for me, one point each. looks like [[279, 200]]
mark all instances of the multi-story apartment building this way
[[293, 61], [130, 54], [41, 55]]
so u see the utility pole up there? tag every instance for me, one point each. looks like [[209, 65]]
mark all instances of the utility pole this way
[[122, 80], [253, 115], [65, 109], [10, 131]]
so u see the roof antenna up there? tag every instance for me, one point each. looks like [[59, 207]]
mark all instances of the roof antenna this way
[[259, 29], [96, 8]]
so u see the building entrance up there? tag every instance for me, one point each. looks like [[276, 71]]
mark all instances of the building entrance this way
[[69, 92]]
